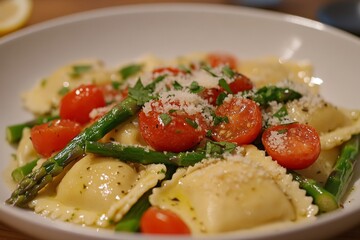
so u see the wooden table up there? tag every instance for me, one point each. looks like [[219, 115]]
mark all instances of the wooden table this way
[[49, 9]]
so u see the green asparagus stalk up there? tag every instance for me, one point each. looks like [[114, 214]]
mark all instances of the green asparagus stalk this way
[[272, 93], [14, 132], [30, 185], [143, 155], [20, 172], [131, 221], [342, 172], [325, 200]]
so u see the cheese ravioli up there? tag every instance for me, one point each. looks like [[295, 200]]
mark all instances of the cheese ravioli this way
[[92, 186], [240, 192]]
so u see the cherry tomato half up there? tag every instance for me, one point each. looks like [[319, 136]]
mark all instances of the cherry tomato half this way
[[53, 136], [78, 103], [112, 94], [241, 83], [242, 123], [293, 146], [217, 59], [172, 70], [160, 221], [173, 131], [210, 95]]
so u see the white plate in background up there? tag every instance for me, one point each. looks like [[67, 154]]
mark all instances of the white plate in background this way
[[124, 33]]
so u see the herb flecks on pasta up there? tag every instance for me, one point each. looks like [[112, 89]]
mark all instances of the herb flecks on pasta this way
[[208, 141]]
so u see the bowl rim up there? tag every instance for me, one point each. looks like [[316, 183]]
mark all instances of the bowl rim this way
[[189, 7]]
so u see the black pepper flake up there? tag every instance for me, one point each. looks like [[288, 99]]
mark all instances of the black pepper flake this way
[[305, 109]]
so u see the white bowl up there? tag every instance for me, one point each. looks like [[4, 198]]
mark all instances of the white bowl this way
[[168, 30]]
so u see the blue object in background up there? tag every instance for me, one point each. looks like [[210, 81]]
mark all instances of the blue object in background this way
[[343, 14]]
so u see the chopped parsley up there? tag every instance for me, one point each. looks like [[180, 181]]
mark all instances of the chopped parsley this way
[[195, 87], [227, 71], [64, 90], [225, 85], [115, 85], [192, 123], [281, 113], [220, 119], [130, 70], [140, 93], [208, 70], [218, 148], [220, 98], [165, 118], [77, 70], [177, 86]]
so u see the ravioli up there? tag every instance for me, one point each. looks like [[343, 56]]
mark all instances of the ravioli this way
[[340, 135], [93, 186], [45, 96], [271, 70], [240, 192], [127, 133]]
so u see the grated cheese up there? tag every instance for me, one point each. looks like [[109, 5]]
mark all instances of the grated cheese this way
[[183, 101], [277, 141]]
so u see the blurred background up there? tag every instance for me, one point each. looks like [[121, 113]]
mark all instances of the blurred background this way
[[343, 14]]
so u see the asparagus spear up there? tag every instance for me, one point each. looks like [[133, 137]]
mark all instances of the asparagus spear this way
[[272, 93], [14, 132], [321, 197], [36, 180], [342, 172], [31, 184], [143, 155], [131, 221], [20, 172]]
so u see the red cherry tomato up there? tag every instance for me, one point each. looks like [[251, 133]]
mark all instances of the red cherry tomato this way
[[172, 70], [77, 104], [243, 124], [160, 221], [293, 146], [241, 83], [53, 136], [210, 95], [217, 59], [112, 94], [174, 131]]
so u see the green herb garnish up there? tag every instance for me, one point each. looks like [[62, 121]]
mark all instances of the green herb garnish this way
[[192, 123], [130, 70], [64, 90], [195, 87], [227, 71], [77, 70], [208, 70], [165, 118], [220, 98], [177, 86], [222, 83]]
